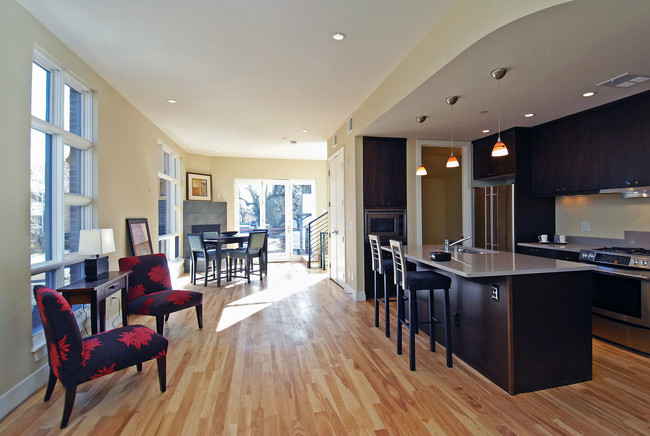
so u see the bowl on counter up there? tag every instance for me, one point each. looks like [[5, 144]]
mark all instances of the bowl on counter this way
[[229, 233]]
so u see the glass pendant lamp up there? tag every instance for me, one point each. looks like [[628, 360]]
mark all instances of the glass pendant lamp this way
[[452, 162], [499, 148]]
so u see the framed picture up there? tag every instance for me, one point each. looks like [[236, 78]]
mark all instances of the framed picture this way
[[199, 186], [139, 236]]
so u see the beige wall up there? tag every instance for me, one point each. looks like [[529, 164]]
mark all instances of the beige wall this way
[[225, 170], [126, 163], [609, 215]]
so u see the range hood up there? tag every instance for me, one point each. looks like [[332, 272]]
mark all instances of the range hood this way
[[632, 192]]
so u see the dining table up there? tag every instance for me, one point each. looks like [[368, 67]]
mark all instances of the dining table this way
[[219, 242]]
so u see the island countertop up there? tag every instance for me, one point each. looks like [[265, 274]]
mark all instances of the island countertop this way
[[491, 263]]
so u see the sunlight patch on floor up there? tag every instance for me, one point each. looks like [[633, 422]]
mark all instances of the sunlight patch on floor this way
[[233, 314]]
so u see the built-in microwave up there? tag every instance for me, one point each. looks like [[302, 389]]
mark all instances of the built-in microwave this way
[[386, 223]]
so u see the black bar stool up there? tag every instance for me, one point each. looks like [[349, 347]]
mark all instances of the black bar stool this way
[[414, 281], [382, 267]]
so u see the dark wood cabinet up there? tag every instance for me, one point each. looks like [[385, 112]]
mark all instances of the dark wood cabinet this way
[[486, 166], [384, 173], [624, 143], [565, 157]]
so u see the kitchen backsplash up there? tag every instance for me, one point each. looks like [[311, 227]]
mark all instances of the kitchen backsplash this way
[[607, 215]]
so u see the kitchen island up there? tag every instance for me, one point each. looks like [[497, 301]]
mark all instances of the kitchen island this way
[[524, 322]]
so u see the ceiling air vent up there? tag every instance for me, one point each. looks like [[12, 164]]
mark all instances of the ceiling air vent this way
[[625, 80]]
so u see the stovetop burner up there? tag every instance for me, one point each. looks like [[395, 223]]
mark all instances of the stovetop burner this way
[[625, 250]]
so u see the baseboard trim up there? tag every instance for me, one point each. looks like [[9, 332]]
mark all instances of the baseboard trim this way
[[23, 390]]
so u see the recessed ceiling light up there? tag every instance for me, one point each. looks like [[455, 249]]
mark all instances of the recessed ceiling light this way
[[485, 130], [529, 115], [338, 36], [304, 130], [589, 94], [171, 100]]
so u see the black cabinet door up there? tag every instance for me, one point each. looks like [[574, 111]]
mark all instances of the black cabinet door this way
[[565, 156], [384, 172], [486, 166], [624, 143]]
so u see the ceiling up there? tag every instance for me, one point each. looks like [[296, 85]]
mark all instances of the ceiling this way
[[248, 76]]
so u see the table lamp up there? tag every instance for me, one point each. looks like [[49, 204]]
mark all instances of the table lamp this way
[[97, 242]]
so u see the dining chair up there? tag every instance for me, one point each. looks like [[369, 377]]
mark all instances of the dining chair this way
[[199, 253], [74, 360], [150, 290], [255, 248], [413, 281]]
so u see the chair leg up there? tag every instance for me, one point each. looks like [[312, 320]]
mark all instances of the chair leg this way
[[413, 323], [50, 385], [70, 394], [160, 324], [432, 323], [193, 269], [260, 262], [400, 317], [199, 315], [167, 317], [448, 330], [248, 269], [162, 372], [139, 366], [205, 274], [376, 300], [387, 307]]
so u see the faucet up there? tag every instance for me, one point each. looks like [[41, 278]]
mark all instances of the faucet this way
[[447, 244]]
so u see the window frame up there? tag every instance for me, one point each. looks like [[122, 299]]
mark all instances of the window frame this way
[[169, 243], [60, 138]]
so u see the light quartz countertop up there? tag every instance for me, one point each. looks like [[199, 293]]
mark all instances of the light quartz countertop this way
[[491, 263], [562, 247]]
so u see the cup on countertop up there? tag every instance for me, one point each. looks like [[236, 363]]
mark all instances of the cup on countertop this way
[[561, 239], [543, 239]]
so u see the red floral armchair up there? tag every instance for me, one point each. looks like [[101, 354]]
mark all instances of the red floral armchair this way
[[75, 360], [150, 290]]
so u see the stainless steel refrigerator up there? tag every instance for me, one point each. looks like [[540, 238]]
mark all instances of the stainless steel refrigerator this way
[[494, 217]]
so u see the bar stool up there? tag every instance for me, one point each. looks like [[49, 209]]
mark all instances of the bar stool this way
[[382, 267], [414, 281]]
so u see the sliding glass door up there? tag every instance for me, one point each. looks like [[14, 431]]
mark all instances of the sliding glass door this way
[[283, 208]]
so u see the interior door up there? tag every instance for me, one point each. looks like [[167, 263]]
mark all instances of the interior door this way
[[337, 219]]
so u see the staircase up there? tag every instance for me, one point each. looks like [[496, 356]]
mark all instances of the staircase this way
[[316, 241]]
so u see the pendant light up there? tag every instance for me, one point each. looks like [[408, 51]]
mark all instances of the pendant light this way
[[499, 148], [452, 162]]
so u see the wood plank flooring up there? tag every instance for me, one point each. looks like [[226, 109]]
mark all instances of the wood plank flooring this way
[[296, 355]]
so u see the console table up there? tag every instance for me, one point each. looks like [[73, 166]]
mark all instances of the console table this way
[[95, 294]]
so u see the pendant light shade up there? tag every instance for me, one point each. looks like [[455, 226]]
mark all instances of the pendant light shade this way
[[499, 148], [452, 162], [421, 171]]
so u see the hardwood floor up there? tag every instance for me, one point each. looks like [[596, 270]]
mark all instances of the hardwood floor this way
[[296, 355]]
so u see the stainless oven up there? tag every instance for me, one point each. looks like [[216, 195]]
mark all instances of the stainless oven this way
[[621, 295], [386, 223]]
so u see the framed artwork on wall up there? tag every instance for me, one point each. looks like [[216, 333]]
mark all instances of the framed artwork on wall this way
[[139, 236], [199, 186]]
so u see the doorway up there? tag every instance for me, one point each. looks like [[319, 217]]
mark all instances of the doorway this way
[[336, 250], [286, 206], [444, 209]]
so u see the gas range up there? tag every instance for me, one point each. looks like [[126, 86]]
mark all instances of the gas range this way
[[622, 257]]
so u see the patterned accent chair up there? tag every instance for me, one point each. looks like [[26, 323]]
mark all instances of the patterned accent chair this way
[[150, 290], [74, 360]]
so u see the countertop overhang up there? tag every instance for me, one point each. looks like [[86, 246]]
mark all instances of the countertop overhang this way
[[491, 263]]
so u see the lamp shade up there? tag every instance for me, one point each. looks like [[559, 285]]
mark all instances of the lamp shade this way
[[421, 171], [96, 241], [452, 162], [499, 149]]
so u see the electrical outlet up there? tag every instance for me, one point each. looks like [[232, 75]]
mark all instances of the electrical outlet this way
[[586, 226], [114, 300], [495, 292]]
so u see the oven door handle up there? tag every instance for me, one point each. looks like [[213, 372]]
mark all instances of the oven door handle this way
[[622, 274]]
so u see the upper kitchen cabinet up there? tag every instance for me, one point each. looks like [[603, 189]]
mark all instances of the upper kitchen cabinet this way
[[486, 166], [564, 156], [384, 172], [624, 143]]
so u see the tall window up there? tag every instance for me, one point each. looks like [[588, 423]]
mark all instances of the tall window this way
[[61, 178], [169, 202]]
